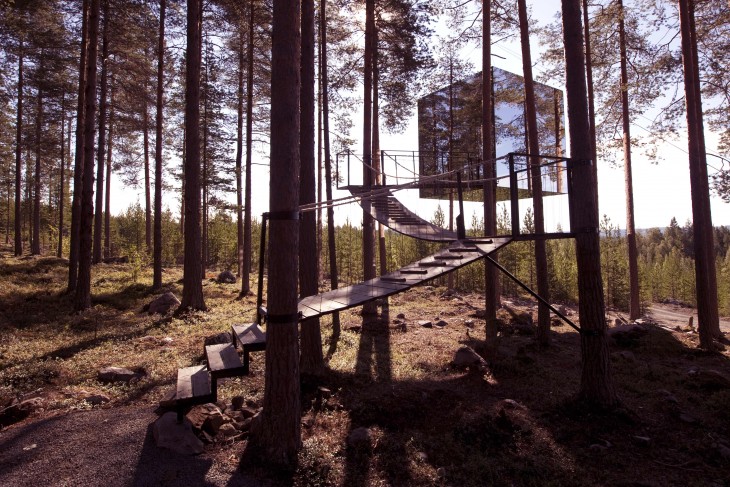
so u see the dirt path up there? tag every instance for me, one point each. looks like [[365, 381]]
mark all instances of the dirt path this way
[[106, 447], [677, 315]]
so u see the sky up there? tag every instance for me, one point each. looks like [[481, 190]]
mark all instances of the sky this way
[[661, 190]]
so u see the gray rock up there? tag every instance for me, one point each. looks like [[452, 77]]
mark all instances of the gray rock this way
[[627, 335], [441, 323], [97, 399], [511, 404], [466, 357], [168, 402], [642, 440], [248, 412], [401, 316], [215, 421], [176, 437], [237, 402], [687, 418], [117, 374], [164, 303], [19, 410], [469, 323], [226, 277], [710, 380], [359, 438], [425, 324], [199, 415], [227, 430]]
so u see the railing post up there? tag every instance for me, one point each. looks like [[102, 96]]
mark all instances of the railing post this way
[[460, 227], [348, 167], [262, 257], [513, 196], [571, 207], [382, 167]]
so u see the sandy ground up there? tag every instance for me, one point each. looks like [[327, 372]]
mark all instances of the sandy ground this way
[[678, 315], [106, 447]]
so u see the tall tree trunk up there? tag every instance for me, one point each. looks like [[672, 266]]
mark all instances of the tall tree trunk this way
[[489, 188], [74, 238], [450, 166], [35, 246], [157, 251], [591, 97], [543, 312], [382, 256], [596, 381], [108, 179], [18, 159], [277, 437], [101, 148], [706, 293], [83, 288], [62, 177], [312, 361], [368, 230], [192, 295], [709, 230], [204, 251], [246, 275], [331, 243], [239, 156], [633, 255], [147, 184]]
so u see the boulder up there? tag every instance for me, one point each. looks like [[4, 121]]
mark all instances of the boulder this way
[[237, 403], [466, 357], [97, 399], [627, 335], [163, 303], [425, 324], [710, 380], [19, 410], [117, 374], [198, 415], [226, 277], [178, 437], [441, 323], [227, 430], [469, 323], [401, 316]]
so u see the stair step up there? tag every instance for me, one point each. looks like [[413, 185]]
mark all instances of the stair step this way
[[252, 338], [393, 279], [449, 257], [474, 242], [223, 361], [463, 249], [433, 263], [193, 385], [413, 271]]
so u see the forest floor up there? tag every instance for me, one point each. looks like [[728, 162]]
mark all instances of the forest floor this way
[[427, 422]]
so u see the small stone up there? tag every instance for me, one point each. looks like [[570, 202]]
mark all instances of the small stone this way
[[441, 472], [324, 393], [425, 324], [226, 277], [710, 380], [228, 430], [511, 404], [687, 418], [359, 438], [469, 323], [166, 341], [671, 398], [480, 313], [307, 421], [598, 448], [117, 374], [237, 402], [441, 323], [32, 446], [179, 437], [642, 440], [248, 412], [422, 457], [466, 357], [401, 316], [215, 422], [97, 399], [162, 304], [245, 425]]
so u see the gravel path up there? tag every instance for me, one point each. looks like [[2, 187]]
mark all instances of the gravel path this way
[[676, 315], [107, 447]]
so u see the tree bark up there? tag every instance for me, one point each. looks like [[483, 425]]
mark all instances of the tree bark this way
[[18, 159], [192, 295], [277, 437], [83, 288], [368, 230], [108, 179], [591, 97], [157, 250], [633, 254], [74, 238], [35, 246], [332, 246], [101, 148], [311, 361], [706, 293], [382, 257], [596, 381], [543, 288], [239, 156], [147, 186], [62, 177], [489, 188], [246, 275]]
